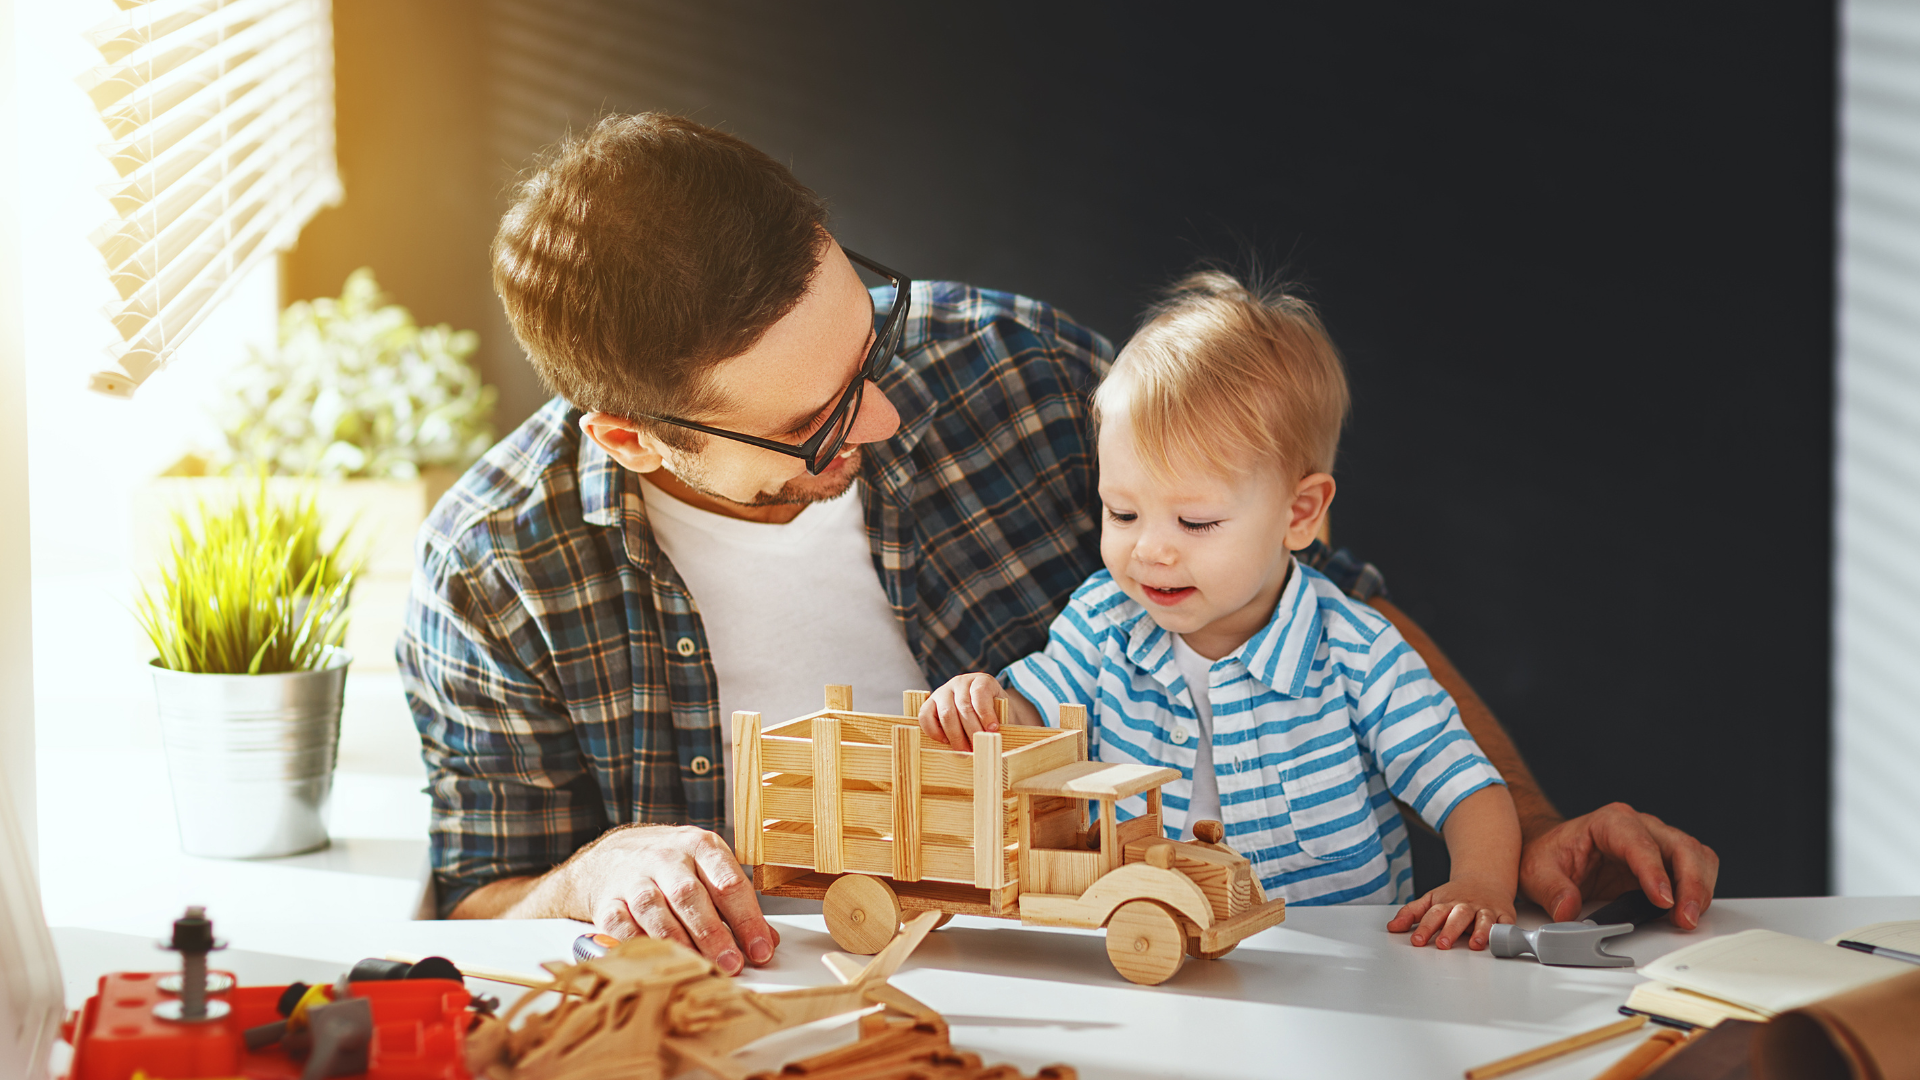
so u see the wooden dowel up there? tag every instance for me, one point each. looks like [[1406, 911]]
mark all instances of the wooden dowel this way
[[1642, 1058], [473, 971], [1554, 1049]]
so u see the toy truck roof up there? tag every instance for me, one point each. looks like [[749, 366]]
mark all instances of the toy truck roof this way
[[1095, 780]]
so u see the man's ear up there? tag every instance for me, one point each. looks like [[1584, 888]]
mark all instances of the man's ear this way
[[1312, 496], [624, 441]]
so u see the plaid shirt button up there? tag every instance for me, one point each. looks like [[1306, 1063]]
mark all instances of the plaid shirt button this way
[[700, 765], [685, 646]]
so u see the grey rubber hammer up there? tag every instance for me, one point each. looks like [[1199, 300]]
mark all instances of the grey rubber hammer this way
[[1579, 944]]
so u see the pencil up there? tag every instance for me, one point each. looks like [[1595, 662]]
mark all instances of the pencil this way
[[1554, 1049], [1643, 1057]]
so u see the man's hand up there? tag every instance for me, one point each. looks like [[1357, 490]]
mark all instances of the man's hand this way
[[663, 881], [1600, 855]]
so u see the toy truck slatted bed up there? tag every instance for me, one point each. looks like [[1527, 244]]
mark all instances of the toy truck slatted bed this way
[[849, 792]]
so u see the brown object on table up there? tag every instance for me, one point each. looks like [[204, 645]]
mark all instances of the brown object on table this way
[[1719, 1053], [1641, 1059], [1872, 1033], [1554, 1049]]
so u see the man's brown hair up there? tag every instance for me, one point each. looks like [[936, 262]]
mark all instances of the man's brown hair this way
[[639, 255]]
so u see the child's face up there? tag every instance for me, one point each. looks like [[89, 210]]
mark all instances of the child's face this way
[[1207, 556]]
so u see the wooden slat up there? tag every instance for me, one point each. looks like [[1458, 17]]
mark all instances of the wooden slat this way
[[1066, 873], [1073, 717], [940, 815], [874, 855], [1064, 748], [1140, 828], [906, 802], [952, 769], [746, 787], [786, 755], [1023, 836], [911, 702], [914, 896], [839, 696], [989, 813], [1097, 779], [867, 729], [1111, 853], [829, 857]]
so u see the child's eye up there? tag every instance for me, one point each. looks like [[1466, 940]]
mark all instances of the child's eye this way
[[1198, 526], [1120, 516]]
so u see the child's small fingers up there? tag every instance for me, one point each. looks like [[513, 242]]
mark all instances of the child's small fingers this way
[[1405, 919], [1430, 924], [1459, 921], [930, 724], [983, 692], [1482, 930]]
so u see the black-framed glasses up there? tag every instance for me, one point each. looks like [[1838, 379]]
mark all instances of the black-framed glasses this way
[[824, 445]]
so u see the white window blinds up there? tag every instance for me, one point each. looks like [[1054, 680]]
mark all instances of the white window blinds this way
[[222, 116]]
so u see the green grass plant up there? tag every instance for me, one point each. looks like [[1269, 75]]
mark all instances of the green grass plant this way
[[248, 589]]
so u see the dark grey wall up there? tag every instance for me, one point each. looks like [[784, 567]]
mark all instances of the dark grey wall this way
[[1579, 260]]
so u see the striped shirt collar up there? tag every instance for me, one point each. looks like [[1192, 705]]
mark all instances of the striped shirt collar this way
[[1279, 655]]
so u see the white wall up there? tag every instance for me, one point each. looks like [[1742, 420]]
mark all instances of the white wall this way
[[1876, 778], [16, 609]]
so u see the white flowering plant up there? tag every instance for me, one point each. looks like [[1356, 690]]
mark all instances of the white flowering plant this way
[[356, 389]]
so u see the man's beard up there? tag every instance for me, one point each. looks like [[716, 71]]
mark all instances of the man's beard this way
[[802, 490]]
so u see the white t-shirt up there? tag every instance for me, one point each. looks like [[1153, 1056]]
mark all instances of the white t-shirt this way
[[1204, 804], [787, 608]]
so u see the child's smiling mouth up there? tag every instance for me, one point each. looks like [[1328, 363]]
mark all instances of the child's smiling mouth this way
[[1167, 596]]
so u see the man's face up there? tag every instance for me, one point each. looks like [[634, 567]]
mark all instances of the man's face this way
[[783, 389]]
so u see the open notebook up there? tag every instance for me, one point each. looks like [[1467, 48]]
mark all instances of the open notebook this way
[[1756, 974]]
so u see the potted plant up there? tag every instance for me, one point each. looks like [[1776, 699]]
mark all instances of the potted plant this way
[[247, 616], [383, 412]]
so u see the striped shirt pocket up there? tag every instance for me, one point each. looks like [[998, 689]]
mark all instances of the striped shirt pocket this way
[[1327, 803]]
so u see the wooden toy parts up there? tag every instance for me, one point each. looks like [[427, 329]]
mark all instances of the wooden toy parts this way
[[852, 809], [648, 1009]]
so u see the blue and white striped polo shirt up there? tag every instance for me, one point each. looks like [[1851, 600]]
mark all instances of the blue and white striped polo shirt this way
[[1320, 721]]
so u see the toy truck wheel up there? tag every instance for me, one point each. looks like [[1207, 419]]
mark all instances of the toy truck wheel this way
[[1145, 942], [945, 918], [862, 913]]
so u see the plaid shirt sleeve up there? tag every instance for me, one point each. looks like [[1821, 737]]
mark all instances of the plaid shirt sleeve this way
[[511, 796]]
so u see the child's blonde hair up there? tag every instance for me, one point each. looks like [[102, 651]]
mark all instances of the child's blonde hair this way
[[1227, 378]]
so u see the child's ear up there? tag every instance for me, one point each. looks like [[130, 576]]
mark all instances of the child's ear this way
[[1311, 498]]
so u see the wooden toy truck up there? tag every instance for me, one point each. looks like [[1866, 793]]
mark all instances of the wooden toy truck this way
[[852, 809]]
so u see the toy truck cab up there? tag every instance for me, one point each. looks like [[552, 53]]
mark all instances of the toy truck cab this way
[[1161, 900]]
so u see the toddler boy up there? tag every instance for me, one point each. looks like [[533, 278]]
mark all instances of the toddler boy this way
[[1295, 715]]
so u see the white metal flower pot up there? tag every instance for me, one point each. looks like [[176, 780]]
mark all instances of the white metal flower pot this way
[[251, 757]]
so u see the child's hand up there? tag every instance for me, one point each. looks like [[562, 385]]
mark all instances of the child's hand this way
[[1463, 906], [964, 706]]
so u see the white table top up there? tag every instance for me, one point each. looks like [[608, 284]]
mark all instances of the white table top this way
[[1328, 994]]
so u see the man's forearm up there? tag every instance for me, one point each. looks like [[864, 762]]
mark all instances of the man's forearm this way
[[1537, 813], [541, 897]]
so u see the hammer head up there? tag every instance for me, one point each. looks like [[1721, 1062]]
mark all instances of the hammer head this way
[[1566, 944]]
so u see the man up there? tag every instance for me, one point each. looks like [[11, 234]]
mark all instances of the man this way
[[754, 481]]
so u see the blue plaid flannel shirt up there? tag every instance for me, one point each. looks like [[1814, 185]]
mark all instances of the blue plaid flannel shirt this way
[[557, 667]]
